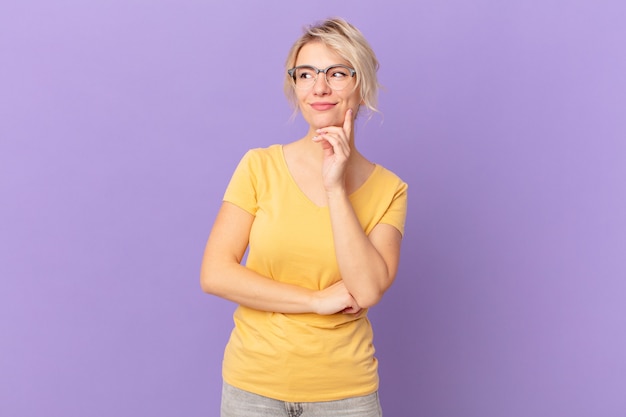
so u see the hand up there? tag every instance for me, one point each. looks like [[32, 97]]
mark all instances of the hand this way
[[335, 141], [335, 299]]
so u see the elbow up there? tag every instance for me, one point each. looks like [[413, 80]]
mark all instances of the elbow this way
[[369, 296], [212, 277], [369, 299], [205, 284], [208, 283]]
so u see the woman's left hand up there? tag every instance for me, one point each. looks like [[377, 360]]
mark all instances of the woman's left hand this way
[[335, 141]]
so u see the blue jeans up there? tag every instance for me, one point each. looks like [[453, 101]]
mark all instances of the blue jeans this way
[[239, 403]]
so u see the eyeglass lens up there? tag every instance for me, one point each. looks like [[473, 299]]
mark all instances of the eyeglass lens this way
[[336, 77]]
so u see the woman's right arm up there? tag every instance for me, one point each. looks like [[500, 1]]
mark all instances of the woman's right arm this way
[[223, 275]]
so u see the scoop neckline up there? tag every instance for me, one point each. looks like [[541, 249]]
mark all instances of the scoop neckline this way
[[304, 196]]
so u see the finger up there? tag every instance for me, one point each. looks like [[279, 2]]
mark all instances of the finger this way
[[342, 131], [352, 310], [337, 141], [347, 123], [336, 137]]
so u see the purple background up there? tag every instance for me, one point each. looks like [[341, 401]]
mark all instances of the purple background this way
[[121, 123]]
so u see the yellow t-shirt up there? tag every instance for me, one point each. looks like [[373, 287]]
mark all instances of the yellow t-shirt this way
[[302, 357]]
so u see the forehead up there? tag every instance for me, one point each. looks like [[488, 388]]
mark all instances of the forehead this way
[[318, 55]]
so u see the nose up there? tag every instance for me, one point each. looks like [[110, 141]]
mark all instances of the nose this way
[[321, 86]]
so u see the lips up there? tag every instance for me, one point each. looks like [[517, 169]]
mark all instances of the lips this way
[[321, 106]]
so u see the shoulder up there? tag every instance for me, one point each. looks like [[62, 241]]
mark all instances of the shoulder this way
[[261, 158], [261, 162], [272, 152], [386, 178]]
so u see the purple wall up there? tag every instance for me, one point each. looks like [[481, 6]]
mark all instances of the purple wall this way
[[121, 122]]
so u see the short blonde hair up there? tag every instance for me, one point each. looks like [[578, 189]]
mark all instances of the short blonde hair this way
[[351, 45]]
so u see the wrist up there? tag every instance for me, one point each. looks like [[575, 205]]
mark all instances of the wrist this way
[[336, 192], [314, 302]]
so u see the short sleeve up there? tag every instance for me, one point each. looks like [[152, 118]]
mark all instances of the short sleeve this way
[[396, 212], [242, 188]]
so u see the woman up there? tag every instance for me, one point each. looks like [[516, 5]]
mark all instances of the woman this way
[[324, 227]]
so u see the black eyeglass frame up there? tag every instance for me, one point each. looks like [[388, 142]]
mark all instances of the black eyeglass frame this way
[[292, 71]]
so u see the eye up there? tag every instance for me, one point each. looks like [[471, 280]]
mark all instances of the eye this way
[[338, 72], [305, 73]]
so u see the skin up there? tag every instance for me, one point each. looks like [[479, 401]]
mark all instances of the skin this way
[[328, 168]]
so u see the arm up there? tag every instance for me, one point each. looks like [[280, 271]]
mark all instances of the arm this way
[[368, 264], [223, 275]]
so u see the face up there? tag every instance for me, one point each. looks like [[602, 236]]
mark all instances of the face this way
[[321, 106]]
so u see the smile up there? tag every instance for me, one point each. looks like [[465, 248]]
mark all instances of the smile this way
[[322, 106]]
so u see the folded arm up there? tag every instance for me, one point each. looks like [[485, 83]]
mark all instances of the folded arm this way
[[368, 263], [223, 275]]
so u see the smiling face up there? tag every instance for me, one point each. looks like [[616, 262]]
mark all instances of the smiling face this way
[[321, 106]]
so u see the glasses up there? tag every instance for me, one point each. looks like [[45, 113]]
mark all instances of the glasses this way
[[337, 76]]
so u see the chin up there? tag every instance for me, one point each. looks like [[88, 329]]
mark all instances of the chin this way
[[323, 120]]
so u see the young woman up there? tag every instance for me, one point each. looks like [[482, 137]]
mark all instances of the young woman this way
[[324, 227]]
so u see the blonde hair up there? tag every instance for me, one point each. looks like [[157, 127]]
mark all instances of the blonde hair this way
[[347, 41]]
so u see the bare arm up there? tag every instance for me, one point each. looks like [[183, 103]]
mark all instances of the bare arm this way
[[223, 275], [368, 264]]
